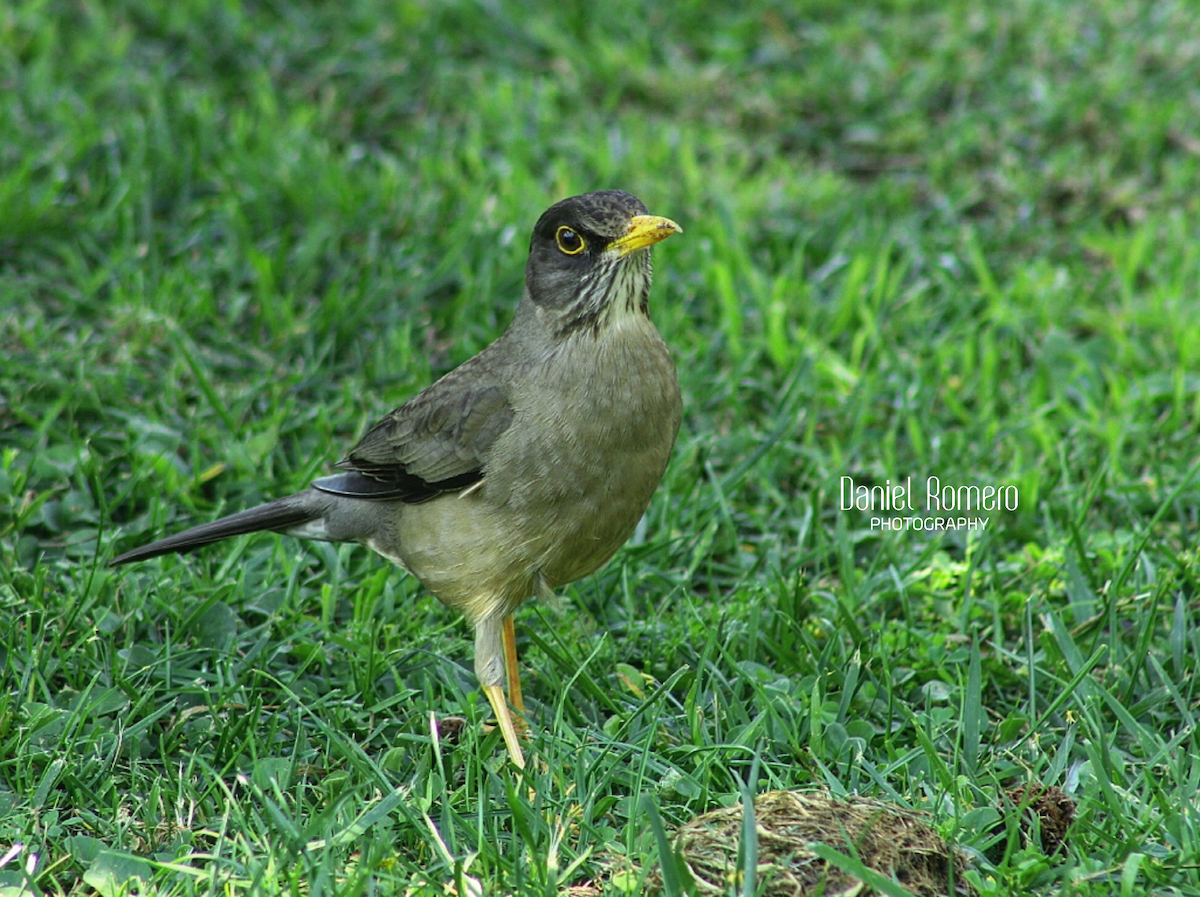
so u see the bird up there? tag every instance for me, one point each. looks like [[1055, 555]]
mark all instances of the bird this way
[[528, 466]]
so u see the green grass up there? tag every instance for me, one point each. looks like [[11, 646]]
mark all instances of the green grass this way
[[921, 239]]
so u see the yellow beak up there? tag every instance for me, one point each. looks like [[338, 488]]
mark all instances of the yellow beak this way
[[644, 230]]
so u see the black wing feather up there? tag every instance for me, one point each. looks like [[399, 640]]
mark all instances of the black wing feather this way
[[437, 442]]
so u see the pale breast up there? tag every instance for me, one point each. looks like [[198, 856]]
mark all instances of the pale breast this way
[[566, 483]]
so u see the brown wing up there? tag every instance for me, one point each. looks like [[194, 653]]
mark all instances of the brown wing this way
[[437, 442]]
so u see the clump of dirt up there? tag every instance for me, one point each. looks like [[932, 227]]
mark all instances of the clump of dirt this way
[[1054, 809], [895, 842]]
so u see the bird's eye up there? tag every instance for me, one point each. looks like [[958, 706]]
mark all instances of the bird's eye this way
[[569, 241]]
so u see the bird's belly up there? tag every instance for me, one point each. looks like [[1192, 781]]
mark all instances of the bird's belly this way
[[591, 513], [482, 552], [465, 552], [570, 490]]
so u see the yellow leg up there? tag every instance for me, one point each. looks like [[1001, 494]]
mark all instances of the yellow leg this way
[[511, 669], [495, 695]]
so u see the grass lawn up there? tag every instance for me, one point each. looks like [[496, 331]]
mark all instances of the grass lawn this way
[[921, 240]]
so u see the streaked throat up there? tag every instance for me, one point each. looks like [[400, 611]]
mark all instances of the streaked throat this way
[[618, 287]]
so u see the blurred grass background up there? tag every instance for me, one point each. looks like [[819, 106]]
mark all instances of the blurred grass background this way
[[921, 239]]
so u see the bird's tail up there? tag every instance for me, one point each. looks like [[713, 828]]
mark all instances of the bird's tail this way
[[279, 515]]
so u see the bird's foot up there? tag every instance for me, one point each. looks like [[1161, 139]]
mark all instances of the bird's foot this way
[[508, 726]]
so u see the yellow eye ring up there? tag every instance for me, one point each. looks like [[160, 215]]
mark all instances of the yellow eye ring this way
[[569, 241]]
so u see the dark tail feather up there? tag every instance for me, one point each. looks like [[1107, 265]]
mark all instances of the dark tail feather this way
[[282, 514]]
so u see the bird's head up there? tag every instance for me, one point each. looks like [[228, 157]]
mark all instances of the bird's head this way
[[589, 260]]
